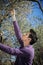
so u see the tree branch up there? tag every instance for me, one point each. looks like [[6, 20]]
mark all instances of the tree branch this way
[[11, 3], [38, 4]]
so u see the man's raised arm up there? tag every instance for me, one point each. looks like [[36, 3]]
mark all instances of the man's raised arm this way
[[16, 28]]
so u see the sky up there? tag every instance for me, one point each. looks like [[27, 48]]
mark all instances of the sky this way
[[36, 13]]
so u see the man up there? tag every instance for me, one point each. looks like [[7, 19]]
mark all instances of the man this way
[[25, 54]]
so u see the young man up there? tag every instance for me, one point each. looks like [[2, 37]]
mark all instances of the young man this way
[[25, 54]]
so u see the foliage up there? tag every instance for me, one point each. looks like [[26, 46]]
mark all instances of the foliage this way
[[39, 47], [7, 30]]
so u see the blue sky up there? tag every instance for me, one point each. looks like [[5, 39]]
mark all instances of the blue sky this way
[[36, 12]]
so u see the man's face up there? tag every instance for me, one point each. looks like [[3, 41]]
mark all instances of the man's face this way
[[26, 39]]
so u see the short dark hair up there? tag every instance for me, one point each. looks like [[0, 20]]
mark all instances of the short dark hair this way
[[33, 36]]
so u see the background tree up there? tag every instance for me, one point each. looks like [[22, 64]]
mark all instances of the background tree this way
[[23, 11]]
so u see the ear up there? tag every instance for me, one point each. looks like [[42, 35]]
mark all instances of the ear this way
[[29, 39]]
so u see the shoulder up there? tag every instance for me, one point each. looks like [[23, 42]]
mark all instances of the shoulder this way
[[29, 50]]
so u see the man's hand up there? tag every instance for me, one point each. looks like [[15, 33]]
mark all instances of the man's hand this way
[[12, 12]]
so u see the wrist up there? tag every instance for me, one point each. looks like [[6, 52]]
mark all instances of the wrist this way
[[13, 18]]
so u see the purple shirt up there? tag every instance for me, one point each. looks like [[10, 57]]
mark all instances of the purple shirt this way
[[24, 55]]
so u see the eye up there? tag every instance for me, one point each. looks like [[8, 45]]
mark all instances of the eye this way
[[26, 33]]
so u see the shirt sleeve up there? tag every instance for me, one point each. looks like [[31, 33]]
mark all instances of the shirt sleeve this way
[[18, 33], [9, 50]]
